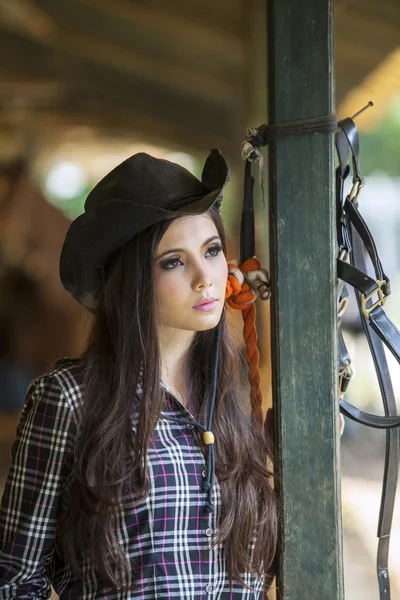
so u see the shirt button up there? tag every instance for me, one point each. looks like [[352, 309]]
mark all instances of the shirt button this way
[[209, 588], [204, 473], [209, 532], [190, 426]]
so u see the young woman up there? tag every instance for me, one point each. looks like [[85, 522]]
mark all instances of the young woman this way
[[137, 471]]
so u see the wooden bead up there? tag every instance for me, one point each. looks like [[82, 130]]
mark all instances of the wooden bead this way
[[208, 437]]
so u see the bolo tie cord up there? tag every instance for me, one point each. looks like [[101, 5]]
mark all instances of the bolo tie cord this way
[[208, 436]]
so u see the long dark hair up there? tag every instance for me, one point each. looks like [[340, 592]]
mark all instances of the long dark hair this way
[[122, 343]]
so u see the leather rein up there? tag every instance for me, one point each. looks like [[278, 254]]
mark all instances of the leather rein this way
[[354, 238], [371, 294]]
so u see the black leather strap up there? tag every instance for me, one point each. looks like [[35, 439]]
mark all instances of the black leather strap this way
[[386, 330], [361, 227], [391, 469], [370, 294], [379, 330]]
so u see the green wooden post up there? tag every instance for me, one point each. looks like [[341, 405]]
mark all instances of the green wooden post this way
[[302, 251]]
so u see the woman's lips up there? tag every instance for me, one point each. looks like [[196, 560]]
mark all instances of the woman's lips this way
[[207, 307]]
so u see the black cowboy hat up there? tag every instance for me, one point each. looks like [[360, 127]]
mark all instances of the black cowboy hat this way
[[138, 193]]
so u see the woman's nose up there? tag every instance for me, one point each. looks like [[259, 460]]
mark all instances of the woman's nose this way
[[202, 279]]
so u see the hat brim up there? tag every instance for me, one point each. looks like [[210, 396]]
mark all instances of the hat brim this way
[[90, 240]]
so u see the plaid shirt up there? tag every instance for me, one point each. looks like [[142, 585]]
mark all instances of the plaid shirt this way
[[167, 535]]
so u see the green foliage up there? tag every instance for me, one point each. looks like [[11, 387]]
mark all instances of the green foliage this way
[[71, 207], [380, 148]]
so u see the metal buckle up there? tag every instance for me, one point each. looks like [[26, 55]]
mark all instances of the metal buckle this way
[[343, 254], [381, 299], [262, 288], [251, 282], [342, 305], [355, 190], [345, 376]]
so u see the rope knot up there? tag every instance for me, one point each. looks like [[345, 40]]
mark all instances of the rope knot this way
[[246, 283], [255, 136], [251, 150]]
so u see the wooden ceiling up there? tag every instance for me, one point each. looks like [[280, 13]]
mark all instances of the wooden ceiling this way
[[177, 73]]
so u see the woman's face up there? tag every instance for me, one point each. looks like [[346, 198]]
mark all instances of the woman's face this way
[[194, 270]]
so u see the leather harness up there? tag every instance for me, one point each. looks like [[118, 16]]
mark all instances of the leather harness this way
[[378, 328], [353, 236]]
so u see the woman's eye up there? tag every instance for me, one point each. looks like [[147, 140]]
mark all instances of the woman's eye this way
[[172, 263], [169, 264], [217, 249]]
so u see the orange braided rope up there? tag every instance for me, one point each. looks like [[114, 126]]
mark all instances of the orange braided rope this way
[[245, 283]]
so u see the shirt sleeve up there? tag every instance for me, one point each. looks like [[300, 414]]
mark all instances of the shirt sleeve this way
[[39, 469]]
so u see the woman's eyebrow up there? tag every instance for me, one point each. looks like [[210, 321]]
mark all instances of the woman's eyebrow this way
[[214, 237]]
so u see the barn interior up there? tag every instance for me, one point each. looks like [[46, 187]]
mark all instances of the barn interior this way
[[92, 81]]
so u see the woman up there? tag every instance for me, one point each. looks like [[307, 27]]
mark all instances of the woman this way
[[138, 471]]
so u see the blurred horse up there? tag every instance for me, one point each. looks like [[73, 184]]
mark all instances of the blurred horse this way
[[39, 320]]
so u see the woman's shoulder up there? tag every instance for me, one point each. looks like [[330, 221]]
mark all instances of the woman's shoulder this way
[[68, 370], [65, 374], [53, 399]]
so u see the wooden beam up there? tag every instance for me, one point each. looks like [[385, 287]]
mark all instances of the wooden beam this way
[[85, 91], [356, 57], [388, 11], [210, 41], [302, 247], [25, 16], [226, 14], [135, 107], [133, 127], [360, 27], [140, 66], [147, 68], [30, 90]]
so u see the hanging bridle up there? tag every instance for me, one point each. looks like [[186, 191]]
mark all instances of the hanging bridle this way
[[353, 236], [371, 293]]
